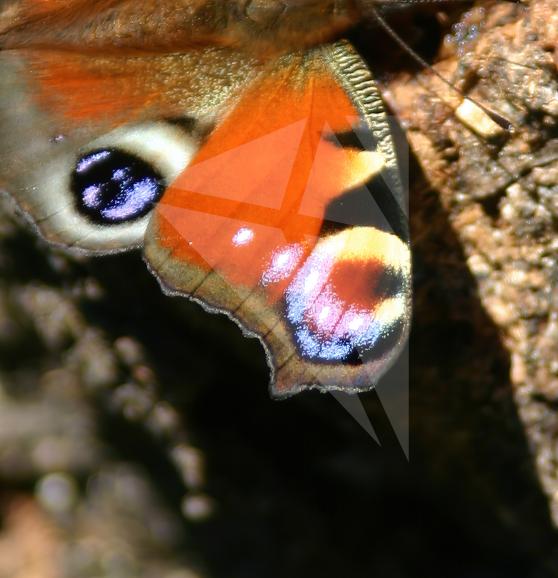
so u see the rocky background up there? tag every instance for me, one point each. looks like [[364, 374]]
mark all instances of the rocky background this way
[[137, 437]]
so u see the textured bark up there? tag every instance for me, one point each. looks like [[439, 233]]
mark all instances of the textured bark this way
[[137, 437]]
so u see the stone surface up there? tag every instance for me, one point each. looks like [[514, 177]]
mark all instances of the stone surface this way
[[499, 194]]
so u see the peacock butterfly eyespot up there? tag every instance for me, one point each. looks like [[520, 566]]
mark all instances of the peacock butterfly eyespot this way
[[349, 295], [113, 186], [100, 197]]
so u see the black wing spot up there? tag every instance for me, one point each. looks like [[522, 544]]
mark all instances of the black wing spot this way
[[373, 205], [112, 186], [347, 140]]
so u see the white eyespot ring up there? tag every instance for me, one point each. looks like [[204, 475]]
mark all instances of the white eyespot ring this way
[[167, 148]]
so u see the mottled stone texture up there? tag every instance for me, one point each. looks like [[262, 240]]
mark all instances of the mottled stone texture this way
[[137, 438], [500, 196]]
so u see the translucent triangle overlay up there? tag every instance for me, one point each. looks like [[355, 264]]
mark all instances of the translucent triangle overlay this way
[[393, 392], [355, 408], [225, 176], [211, 186]]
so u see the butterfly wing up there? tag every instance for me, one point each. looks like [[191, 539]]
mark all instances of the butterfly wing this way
[[262, 28], [291, 220], [89, 142]]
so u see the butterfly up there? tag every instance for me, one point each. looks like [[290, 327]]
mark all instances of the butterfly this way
[[243, 145]]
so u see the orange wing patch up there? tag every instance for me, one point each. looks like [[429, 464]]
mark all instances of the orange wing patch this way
[[79, 88], [108, 90], [269, 163]]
